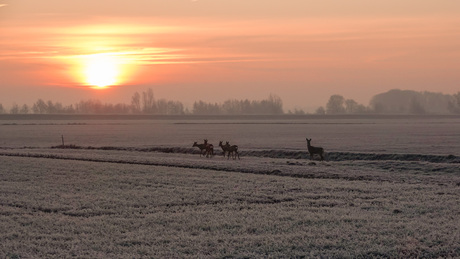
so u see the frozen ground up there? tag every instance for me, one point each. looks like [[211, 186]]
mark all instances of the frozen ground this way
[[136, 188], [129, 204], [435, 135], [391, 143]]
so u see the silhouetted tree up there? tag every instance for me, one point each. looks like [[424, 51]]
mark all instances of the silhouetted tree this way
[[162, 107], [275, 104], [297, 112], [136, 102], [320, 111], [351, 106], [415, 107], [69, 109], [335, 105], [272, 105], [24, 109], [40, 107], [232, 107], [175, 108], [412, 102], [246, 107], [148, 102], [14, 109], [454, 104]]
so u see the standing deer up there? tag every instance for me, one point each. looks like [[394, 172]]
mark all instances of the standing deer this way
[[224, 147], [209, 149], [200, 146], [232, 150], [314, 150]]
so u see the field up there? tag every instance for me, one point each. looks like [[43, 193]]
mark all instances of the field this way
[[135, 187]]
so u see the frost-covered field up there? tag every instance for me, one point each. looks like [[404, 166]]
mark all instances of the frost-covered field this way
[[385, 134], [136, 188]]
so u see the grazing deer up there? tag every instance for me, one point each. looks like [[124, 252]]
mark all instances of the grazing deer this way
[[200, 146], [209, 149], [232, 150], [314, 150], [224, 147]]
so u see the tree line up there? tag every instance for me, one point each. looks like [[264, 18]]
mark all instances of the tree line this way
[[145, 103], [392, 102], [396, 101]]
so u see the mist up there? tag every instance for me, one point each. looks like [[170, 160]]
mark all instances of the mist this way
[[395, 101]]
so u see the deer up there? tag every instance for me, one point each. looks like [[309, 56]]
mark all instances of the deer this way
[[224, 147], [232, 150], [314, 150], [201, 147], [209, 149]]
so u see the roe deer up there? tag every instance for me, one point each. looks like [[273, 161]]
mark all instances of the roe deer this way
[[232, 150], [224, 147], [314, 150], [200, 146], [209, 149]]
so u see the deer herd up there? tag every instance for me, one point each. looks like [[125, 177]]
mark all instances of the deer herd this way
[[207, 149]]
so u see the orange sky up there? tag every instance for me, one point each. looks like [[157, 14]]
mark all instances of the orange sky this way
[[214, 50]]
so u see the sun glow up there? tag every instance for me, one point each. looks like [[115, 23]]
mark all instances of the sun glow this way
[[101, 70]]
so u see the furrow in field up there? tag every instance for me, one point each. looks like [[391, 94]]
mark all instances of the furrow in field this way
[[287, 170], [353, 170]]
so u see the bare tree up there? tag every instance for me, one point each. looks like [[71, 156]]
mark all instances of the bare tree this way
[[14, 109], [351, 106], [136, 102], [148, 101], [454, 104], [40, 107], [335, 105], [24, 109], [320, 111]]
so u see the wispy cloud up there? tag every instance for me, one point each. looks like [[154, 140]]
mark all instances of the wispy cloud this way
[[3, 5]]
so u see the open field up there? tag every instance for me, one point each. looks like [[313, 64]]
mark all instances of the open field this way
[[134, 199], [432, 135]]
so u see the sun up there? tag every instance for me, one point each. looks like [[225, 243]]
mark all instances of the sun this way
[[101, 70]]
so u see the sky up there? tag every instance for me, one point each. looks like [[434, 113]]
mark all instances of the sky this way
[[304, 51]]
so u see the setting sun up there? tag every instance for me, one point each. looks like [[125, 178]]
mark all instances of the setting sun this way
[[101, 70]]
